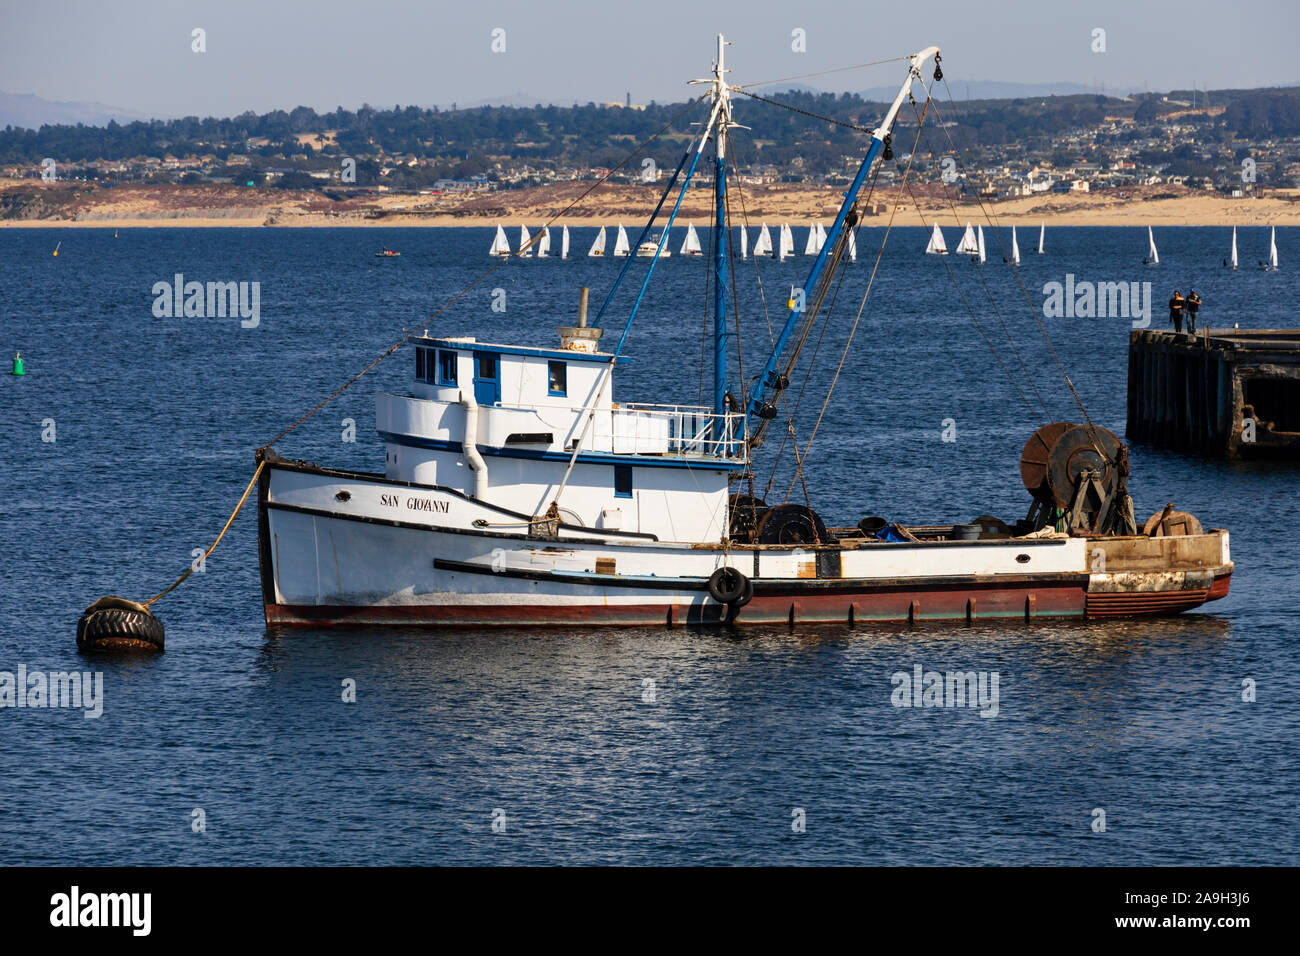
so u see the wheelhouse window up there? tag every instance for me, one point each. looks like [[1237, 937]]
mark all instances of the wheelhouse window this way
[[446, 367], [420, 358], [622, 481], [487, 366], [557, 376]]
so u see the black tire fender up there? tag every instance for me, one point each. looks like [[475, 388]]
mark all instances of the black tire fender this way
[[727, 585]]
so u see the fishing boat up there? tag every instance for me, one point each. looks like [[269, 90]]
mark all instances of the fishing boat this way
[[598, 246], [521, 488], [1152, 257], [936, 246], [386, 253], [621, 245], [500, 244]]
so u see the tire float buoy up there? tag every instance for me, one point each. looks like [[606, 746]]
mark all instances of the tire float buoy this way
[[116, 624], [730, 587]]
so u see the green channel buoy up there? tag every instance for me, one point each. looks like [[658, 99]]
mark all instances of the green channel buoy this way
[[18, 364]]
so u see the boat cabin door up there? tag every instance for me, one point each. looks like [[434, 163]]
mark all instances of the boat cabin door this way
[[487, 378]]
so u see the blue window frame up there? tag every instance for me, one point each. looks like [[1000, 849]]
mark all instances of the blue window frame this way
[[622, 481], [487, 380], [557, 378], [446, 367]]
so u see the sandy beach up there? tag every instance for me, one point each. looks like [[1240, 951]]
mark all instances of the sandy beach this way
[[27, 203]]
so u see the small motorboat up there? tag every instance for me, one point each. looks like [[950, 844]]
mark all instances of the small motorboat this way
[[650, 247], [387, 253]]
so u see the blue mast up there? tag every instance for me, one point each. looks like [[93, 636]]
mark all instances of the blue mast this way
[[723, 104], [762, 407]]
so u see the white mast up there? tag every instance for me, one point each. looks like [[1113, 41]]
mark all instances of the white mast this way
[[564, 243], [598, 247]]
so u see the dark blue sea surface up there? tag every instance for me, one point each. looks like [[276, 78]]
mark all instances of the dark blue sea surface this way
[[155, 422]]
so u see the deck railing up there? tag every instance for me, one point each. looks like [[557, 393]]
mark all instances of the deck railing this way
[[691, 430]]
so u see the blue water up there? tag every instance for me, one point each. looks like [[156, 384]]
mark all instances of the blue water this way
[[155, 425]]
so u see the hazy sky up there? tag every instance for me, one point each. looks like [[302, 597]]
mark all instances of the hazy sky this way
[[283, 53]]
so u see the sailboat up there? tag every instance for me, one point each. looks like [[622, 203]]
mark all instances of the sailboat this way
[[1231, 262], [853, 246], [810, 247], [691, 244], [1015, 247], [1042, 229], [598, 247], [1271, 265], [544, 244], [763, 245], [500, 245], [744, 243], [969, 245], [821, 236], [979, 244], [521, 488], [621, 245], [1152, 257], [936, 246], [564, 243], [524, 238], [787, 241]]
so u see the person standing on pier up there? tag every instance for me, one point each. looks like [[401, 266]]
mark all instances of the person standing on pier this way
[[1176, 311], [1193, 305]]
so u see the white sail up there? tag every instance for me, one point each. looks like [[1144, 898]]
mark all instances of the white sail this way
[[564, 243], [763, 246], [968, 245], [1153, 257], [598, 247], [1272, 249], [1233, 261], [744, 243], [621, 246], [821, 236], [691, 244], [810, 247], [936, 246], [787, 241], [524, 251], [979, 243], [500, 245], [544, 244], [1015, 247], [1042, 228], [853, 246]]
